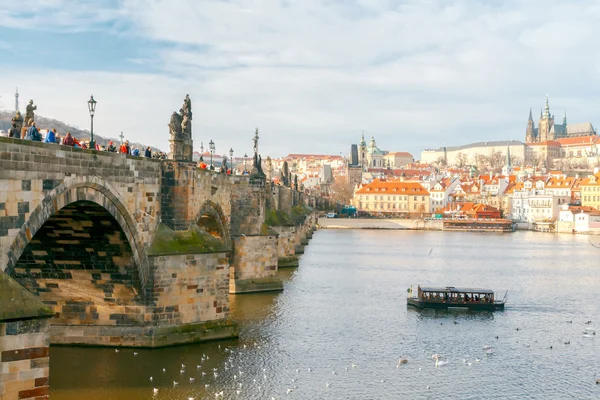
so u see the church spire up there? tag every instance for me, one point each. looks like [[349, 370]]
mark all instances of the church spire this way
[[565, 119], [507, 163], [547, 109], [530, 116]]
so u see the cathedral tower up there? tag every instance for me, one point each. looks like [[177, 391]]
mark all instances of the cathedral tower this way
[[545, 125], [530, 136]]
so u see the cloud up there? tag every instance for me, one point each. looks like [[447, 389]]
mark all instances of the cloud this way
[[312, 74]]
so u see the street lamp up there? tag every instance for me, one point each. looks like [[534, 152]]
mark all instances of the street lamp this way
[[231, 159], [224, 166], [245, 158], [211, 146], [92, 109]]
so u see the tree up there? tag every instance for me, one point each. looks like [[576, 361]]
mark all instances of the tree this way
[[341, 191], [461, 159]]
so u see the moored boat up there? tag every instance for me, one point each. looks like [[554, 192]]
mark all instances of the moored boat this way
[[452, 297]]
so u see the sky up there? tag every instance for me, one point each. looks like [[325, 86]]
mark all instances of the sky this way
[[310, 74]]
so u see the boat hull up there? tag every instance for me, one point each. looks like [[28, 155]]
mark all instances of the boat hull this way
[[442, 305]]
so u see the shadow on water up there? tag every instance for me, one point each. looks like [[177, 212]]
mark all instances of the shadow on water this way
[[452, 315]]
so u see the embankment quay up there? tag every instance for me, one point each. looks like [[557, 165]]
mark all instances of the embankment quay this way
[[131, 251], [417, 224]]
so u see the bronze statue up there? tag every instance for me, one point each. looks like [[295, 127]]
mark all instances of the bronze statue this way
[[18, 121], [29, 116], [175, 126]]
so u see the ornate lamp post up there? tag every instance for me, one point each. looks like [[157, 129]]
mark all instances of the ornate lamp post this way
[[231, 159], [211, 146], [92, 109], [245, 159]]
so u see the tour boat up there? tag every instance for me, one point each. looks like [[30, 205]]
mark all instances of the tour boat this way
[[451, 297]]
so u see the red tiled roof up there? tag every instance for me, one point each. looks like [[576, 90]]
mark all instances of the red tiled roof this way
[[393, 186], [578, 140]]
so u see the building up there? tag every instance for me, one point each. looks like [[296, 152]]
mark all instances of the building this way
[[392, 197], [398, 159], [578, 219], [547, 129], [590, 191], [441, 192], [519, 195], [375, 155], [543, 154], [581, 146], [471, 210], [472, 153]]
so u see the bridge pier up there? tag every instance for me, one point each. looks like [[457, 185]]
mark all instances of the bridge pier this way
[[254, 267]]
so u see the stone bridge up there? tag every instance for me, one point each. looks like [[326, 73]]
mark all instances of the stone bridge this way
[[131, 251]]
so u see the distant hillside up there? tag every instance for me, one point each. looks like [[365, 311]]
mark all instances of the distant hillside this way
[[62, 129]]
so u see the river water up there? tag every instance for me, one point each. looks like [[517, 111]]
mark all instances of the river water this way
[[343, 315]]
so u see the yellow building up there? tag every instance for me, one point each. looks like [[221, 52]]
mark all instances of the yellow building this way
[[590, 191], [393, 197]]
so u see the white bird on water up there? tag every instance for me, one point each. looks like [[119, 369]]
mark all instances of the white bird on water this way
[[116, 350], [135, 354], [191, 379], [175, 383], [164, 370], [155, 390], [290, 390], [439, 363], [151, 379], [327, 384]]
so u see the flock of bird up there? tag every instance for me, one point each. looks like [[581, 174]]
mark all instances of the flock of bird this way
[[253, 382]]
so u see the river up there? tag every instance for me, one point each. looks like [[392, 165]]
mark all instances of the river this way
[[340, 326]]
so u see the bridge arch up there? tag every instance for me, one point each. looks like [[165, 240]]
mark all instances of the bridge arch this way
[[212, 219], [78, 190]]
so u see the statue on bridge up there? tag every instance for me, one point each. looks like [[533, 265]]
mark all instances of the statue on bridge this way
[[18, 121], [180, 129], [175, 126], [186, 117], [29, 115]]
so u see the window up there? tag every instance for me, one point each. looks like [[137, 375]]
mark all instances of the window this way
[[423, 198], [415, 198], [414, 206]]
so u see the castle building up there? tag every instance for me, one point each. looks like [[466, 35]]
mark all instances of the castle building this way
[[548, 130]]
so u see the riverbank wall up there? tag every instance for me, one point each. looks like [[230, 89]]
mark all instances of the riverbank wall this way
[[417, 224]]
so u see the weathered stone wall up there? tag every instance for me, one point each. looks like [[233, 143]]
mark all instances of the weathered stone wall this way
[[24, 359], [247, 208], [254, 266], [190, 288], [286, 241]]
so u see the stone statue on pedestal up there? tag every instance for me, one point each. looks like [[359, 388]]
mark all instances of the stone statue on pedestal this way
[[180, 129], [29, 115], [186, 117], [175, 126]]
